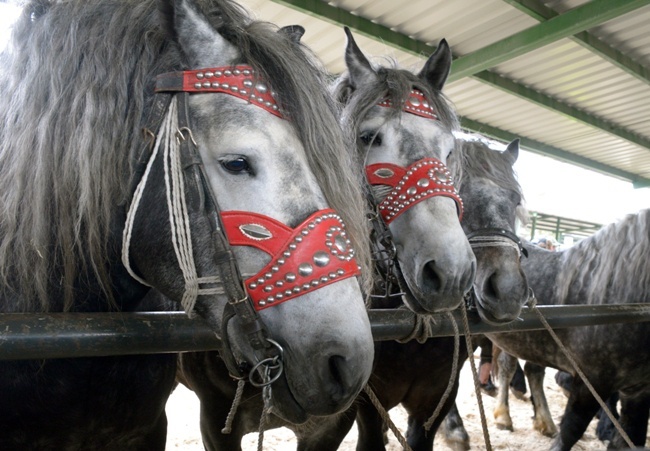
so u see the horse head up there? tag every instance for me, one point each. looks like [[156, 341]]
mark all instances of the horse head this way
[[493, 200], [404, 129], [240, 201]]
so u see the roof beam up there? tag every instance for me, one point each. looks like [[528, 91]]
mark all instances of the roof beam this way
[[368, 28], [550, 103], [564, 25], [544, 149], [339, 16], [541, 12]]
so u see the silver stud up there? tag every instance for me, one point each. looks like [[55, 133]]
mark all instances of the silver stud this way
[[290, 277], [267, 289], [216, 84], [423, 183], [218, 73], [340, 272], [256, 231], [248, 83], [262, 303], [281, 261], [261, 87], [305, 269], [321, 258], [225, 86], [234, 88], [207, 84], [227, 72], [288, 292], [252, 286], [236, 72], [287, 254], [268, 275], [199, 75], [340, 243], [208, 74], [412, 191], [279, 283], [197, 85], [275, 268]]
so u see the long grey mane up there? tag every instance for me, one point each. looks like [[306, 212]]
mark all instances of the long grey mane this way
[[610, 267], [393, 83], [77, 79]]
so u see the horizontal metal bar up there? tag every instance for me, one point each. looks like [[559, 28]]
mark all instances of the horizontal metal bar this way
[[59, 335]]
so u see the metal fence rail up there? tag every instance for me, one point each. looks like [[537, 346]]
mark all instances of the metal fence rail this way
[[55, 335]]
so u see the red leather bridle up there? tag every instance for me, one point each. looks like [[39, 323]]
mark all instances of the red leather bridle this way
[[314, 254], [428, 177]]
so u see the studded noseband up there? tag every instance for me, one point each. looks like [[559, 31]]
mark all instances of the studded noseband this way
[[314, 254]]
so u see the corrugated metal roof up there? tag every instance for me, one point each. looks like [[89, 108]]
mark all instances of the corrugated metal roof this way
[[583, 98]]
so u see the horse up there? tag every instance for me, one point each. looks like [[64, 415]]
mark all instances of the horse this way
[[416, 373], [615, 357], [389, 138], [182, 149]]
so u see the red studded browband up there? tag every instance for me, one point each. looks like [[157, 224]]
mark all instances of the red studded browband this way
[[415, 104], [425, 178], [314, 254], [238, 81]]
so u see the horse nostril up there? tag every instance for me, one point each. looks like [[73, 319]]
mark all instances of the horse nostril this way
[[338, 370], [490, 289], [431, 279]]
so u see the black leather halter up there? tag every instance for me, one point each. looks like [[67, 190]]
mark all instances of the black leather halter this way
[[494, 237]]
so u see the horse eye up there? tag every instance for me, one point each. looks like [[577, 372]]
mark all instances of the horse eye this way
[[237, 165], [370, 139]]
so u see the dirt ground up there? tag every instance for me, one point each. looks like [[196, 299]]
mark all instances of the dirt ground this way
[[184, 433]]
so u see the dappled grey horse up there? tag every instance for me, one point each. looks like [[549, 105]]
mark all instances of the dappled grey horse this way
[[247, 178], [610, 267]]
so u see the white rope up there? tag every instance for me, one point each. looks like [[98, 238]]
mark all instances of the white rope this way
[[492, 241], [178, 215]]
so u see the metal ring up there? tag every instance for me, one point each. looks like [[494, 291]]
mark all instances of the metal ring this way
[[270, 365]]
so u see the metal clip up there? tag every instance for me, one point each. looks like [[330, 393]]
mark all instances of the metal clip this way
[[181, 137]]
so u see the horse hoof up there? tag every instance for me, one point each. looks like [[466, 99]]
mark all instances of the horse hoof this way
[[547, 430], [505, 427]]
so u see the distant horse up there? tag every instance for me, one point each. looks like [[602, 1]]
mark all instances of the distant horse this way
[[399, 134], [94, 213], [611, 267]]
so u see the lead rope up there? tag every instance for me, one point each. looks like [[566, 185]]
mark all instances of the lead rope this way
[[227, 428], [384, 415], [452, 379], [532, 303], [477, 389], [179, 221]]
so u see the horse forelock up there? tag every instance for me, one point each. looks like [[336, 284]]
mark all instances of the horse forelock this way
[[610, 267], [395, 84], [75, 80]]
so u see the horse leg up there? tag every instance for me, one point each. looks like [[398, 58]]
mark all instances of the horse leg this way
[[211, 419], [580, 410], [605, 428], [327, 433], [507, 366], [156, 439], [542, 418], [518, 383], [456, 436], [635, 412], [371, 427]]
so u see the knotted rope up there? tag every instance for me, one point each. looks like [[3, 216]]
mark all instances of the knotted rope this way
[[169, 137]]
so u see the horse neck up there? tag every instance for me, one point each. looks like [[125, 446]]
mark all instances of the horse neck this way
[[542, 269]]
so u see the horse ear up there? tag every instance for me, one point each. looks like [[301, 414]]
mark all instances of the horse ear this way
[[358, 65], [294, 32], [513, 150], [192, 30], [436, 69]]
